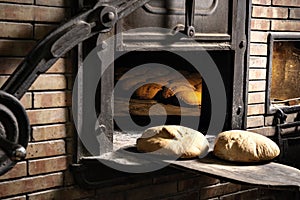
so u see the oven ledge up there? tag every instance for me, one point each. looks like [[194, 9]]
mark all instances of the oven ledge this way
[[92, 173]]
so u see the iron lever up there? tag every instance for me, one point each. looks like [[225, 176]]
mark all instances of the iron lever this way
[[189, 18], [187, 29]]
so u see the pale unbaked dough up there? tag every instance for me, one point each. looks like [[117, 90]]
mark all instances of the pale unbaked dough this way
[[173, 140], [245, 146]]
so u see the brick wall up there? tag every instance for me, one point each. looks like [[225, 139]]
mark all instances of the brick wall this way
[[22, 24], [45, 172], [267, 16]]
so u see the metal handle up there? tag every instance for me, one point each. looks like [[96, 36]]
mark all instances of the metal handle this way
[[189, 17]]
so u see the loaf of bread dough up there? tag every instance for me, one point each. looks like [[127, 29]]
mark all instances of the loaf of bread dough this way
[[173, 140], [175, 87], [190, 97], [129, 83], [147, 91], [162, 80], [245, 146]]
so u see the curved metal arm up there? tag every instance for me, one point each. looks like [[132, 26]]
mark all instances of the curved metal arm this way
[[99, 19]]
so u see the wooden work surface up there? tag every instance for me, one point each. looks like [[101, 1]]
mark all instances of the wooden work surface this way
[[268, 174], [263, 174]]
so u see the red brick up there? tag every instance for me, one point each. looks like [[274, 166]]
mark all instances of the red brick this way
[[269, 12], [15, 47], [41, 30], [260, 24], [256, 86], [256, 109], [257, 62], [30, 184], [16, 30], [218, 190], [262, 2], [152, 191], [256, 97], [62, 65], [47, 165], [295, 13], [285, 25], [16, 12], [255, 121], [52, 99], [47, 116], [196, 182], [269, 120], [51, 132], [287, 2], [66, 193], [50, 14], [266, 131], [257, 74], [49, 82], [258, 49], [259, 36], [8, 65], [3, 79], [44, 149], [32, 13], [60, 3], [27, 100], [19, 170]]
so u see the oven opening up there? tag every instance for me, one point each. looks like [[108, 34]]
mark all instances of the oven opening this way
[[283, 72], [153, 88], [166, 85], [285, 90]]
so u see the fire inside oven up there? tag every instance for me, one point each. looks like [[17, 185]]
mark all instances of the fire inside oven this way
[[283, 71], [160, 87], [285, 88]]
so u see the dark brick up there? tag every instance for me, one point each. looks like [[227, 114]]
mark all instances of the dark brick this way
[[196, 182], [152, 191], [242, 195]]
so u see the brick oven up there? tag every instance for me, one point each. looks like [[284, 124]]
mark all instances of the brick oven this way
[[242, 40]]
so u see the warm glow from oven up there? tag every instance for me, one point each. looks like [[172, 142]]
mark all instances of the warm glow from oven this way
[[285, 85]]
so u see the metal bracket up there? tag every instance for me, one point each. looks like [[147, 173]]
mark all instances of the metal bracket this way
[[283, 136]]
